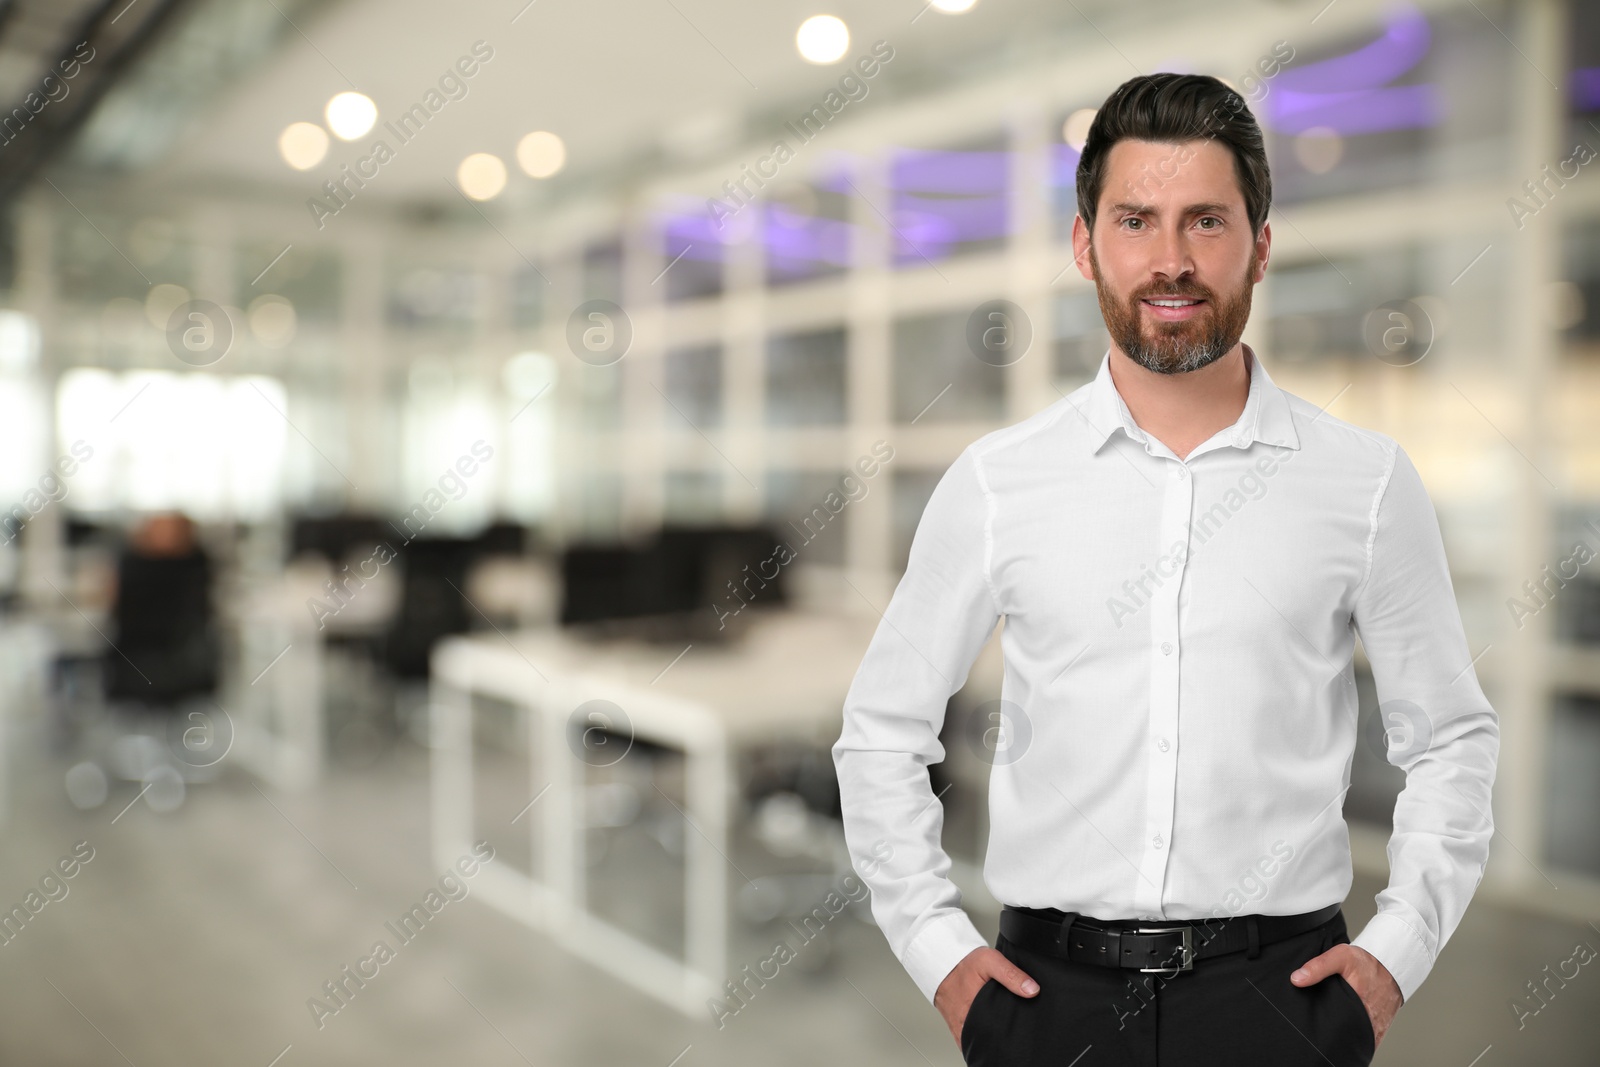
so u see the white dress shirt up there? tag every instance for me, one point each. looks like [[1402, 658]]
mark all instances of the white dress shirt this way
[[1181, 707]]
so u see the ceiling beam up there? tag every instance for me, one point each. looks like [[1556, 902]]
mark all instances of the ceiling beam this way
[[119, 32]]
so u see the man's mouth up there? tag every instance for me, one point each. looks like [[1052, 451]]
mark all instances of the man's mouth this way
[[1173, 308]]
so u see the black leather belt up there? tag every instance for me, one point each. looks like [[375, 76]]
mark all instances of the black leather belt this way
[[1168, 947]]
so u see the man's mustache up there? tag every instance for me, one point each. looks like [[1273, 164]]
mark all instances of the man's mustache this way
[[1182, 293]]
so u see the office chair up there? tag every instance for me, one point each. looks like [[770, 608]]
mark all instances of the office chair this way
[[166, 647], [164, 662]]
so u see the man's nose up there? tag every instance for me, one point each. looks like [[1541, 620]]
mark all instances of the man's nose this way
[[1172, 259]]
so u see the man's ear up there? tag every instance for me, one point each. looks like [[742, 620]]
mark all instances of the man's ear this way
[[1263, 250], [1080, 247]]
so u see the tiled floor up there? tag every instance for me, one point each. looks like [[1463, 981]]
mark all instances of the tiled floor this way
[[198, 936]]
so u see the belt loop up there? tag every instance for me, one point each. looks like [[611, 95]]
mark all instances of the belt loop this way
[[1212, 926], [1254, 933], [1065, 931]]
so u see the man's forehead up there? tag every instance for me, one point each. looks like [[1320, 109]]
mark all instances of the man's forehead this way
[[1198, 147], [1152, 172]]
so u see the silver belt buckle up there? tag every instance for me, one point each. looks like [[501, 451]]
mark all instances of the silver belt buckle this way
[[1187, 933]]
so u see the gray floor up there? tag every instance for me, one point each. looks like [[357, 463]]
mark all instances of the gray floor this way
[[197, 937]]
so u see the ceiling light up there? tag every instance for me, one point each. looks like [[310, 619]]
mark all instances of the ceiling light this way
[[161, 301], [303, 144], [272, 320], [481, 175], [822, 39], [540, 154], [952, 7], [1075, 131], [1319, 149], [351, 115]]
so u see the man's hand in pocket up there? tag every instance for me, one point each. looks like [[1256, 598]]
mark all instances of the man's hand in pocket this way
[[955, 994], [1371, 980]]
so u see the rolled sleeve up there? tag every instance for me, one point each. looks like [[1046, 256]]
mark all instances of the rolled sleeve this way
[[1410, 625], [937, 621]]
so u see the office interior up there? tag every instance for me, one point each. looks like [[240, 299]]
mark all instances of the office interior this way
[[453, 458]]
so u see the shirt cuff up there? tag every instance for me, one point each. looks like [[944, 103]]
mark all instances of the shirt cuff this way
[[938, 947], [1399, 948]]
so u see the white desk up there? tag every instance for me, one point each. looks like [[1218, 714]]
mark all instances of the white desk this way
[[786, 680]]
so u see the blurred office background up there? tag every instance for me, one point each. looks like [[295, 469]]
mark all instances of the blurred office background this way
[[400, 403]]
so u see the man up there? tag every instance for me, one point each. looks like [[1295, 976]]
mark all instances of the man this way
[[1183, 555]]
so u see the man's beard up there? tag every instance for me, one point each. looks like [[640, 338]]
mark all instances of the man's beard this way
[[1176, 347]]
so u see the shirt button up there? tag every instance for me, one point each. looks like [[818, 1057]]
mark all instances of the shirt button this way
[[1157, 842], [1161, 743], [1166, 648], [1183, 472]]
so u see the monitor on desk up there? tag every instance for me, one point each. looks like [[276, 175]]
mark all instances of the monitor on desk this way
[[682, 571], [334, 537]]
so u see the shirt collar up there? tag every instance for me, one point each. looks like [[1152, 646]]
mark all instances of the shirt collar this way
[[1265, 418]]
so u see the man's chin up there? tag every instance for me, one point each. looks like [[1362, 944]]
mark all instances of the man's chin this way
[[1171, 361]]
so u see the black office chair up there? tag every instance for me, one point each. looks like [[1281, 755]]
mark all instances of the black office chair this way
[[165, 645], [431, 603], [162, 670]]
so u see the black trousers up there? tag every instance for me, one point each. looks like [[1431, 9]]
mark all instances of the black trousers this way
[[1230, 1009]]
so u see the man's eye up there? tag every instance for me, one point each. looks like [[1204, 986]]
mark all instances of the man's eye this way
[[1133, 222], [1211, 218]]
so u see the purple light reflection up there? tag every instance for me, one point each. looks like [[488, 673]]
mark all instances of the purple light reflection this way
[[1403, 45], [824, 241], [1586, 88], [693, 237], [938, 199], [1397, 107], [1064, 164], [1347, 93], [965, 219], [915, 170]]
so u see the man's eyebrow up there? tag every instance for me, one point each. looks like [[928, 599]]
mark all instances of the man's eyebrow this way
[[1211, 207]]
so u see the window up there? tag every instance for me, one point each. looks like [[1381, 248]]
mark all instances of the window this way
[[23, 430], [912, 490], [806, 230], [527, 470], [1578, 303], [694, 251], [1080, 336], [949, 202], [310, 279], [602, 271], [529, 292], [937, 378], [1584, 97], [810, 512], [806, 378], [694, 386], [693, 496], [433, 296], [100, 261], [210, 446], [1421, 101]]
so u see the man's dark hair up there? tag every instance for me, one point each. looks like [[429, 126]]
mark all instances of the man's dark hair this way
[[1171, 109]]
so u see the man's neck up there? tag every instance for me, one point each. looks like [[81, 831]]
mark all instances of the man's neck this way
[[1183, 411]]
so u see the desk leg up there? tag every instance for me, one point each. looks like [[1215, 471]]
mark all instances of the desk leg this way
[[450, 717], [302, 695], [708, 858], [564, 823]]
